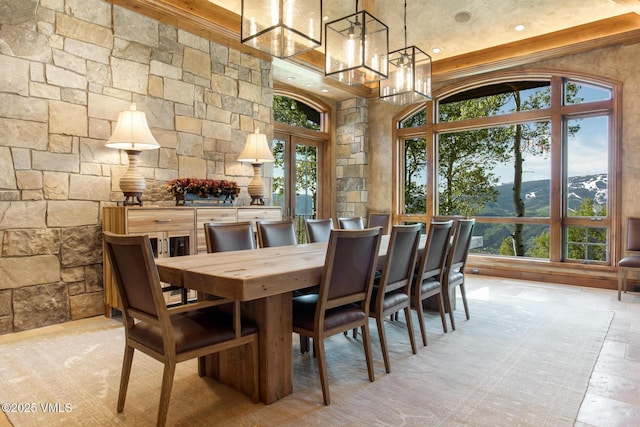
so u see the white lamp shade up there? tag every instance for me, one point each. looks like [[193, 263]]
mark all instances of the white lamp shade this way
[[132, 132], [256, 149]]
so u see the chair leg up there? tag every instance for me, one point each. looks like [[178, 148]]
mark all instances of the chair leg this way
[[304, 344], [412, 338], [463, 294], [124, 377], [318, 348], [448, 305], [383, 343], [366, 342], [418, 307], [202, 366], [443, 317], [165, 393]]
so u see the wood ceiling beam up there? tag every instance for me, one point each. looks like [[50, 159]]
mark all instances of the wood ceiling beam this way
[[222, 26], [607, 32]]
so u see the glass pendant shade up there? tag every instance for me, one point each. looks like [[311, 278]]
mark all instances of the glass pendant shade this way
[[409, 79], [282, 28], [356, 49]]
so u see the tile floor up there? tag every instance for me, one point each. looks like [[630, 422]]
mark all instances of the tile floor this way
[[613, 395]]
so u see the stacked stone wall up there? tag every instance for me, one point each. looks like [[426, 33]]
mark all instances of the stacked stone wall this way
[[352, 158], [68, 68]]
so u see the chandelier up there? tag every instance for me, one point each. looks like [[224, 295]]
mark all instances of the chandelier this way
[[409, 79], [356, 49], [281, 28]]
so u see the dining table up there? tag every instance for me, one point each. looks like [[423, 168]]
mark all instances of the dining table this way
[[263, 281]]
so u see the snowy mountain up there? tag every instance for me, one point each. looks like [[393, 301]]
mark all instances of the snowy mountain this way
[[536, 195]]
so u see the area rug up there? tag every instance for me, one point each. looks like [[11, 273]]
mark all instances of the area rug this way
[[520, 360]]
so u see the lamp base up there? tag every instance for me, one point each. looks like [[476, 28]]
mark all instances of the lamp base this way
[[132, 183], [256, 201], [256, 186], [133, 199]]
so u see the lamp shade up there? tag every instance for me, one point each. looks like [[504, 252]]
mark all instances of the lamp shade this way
[[256, 149], [132, 132], [282, 28], [409, 79], [356, 49]]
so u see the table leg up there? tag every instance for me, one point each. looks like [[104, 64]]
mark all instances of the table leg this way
[[273, 317]]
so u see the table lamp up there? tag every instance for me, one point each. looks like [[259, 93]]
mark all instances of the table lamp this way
[[256, 151], [132, 134]]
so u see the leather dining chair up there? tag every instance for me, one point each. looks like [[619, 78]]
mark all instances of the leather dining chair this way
[[344, 296], [170, 335], [318, 230], [629, 262], [456, 260], [379, 219], [354, 223], [276, 233], [429, 278], [392, 291], [229, 236]]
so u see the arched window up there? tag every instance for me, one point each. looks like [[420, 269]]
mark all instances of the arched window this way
[[532, 157], [300, 175]]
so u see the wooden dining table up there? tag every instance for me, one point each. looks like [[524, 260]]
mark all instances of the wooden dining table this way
[[263, 280]]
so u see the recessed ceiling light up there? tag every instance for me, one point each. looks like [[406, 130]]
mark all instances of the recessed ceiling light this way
[[519, 27], [462, 16], [308, 84], [436, 50]]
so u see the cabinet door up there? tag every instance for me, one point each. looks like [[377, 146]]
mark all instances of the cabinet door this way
[[169, 244]]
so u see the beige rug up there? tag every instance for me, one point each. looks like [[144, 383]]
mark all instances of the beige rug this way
[[520, 360]]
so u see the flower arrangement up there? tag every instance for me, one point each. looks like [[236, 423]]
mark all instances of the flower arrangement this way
[[203, 187]]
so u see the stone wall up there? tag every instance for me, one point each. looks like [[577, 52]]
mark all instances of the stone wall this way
[[68, 68], [352, 158]]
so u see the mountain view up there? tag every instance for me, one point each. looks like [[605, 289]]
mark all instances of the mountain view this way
[[536, 194]]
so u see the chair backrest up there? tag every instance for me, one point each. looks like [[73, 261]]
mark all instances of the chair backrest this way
[[400, 262], [379, 219], [349, 270], [276, 233], [633, 234], [229, 236], [434, 254], [354, 223], [460, 246], [137, 280], [318, 230]]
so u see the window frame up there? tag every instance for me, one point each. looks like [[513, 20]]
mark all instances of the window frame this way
[[557, 113]]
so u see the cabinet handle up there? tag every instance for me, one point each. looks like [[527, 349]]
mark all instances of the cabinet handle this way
[[163, 220]]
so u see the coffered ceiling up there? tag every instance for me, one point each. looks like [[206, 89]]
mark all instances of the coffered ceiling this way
[[472, 36]]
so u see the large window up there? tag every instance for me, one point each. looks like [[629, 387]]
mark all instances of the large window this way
[[530, 159], [299, 148]]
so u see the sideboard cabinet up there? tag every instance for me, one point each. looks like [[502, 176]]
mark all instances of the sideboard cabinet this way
[[172, 231]]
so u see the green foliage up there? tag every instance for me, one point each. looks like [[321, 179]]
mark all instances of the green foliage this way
[[506, 247], [287, 110], [291, 112]]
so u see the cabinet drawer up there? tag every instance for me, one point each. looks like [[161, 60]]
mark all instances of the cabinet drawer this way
[[148, 220], [215, 215], [254, 214]]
